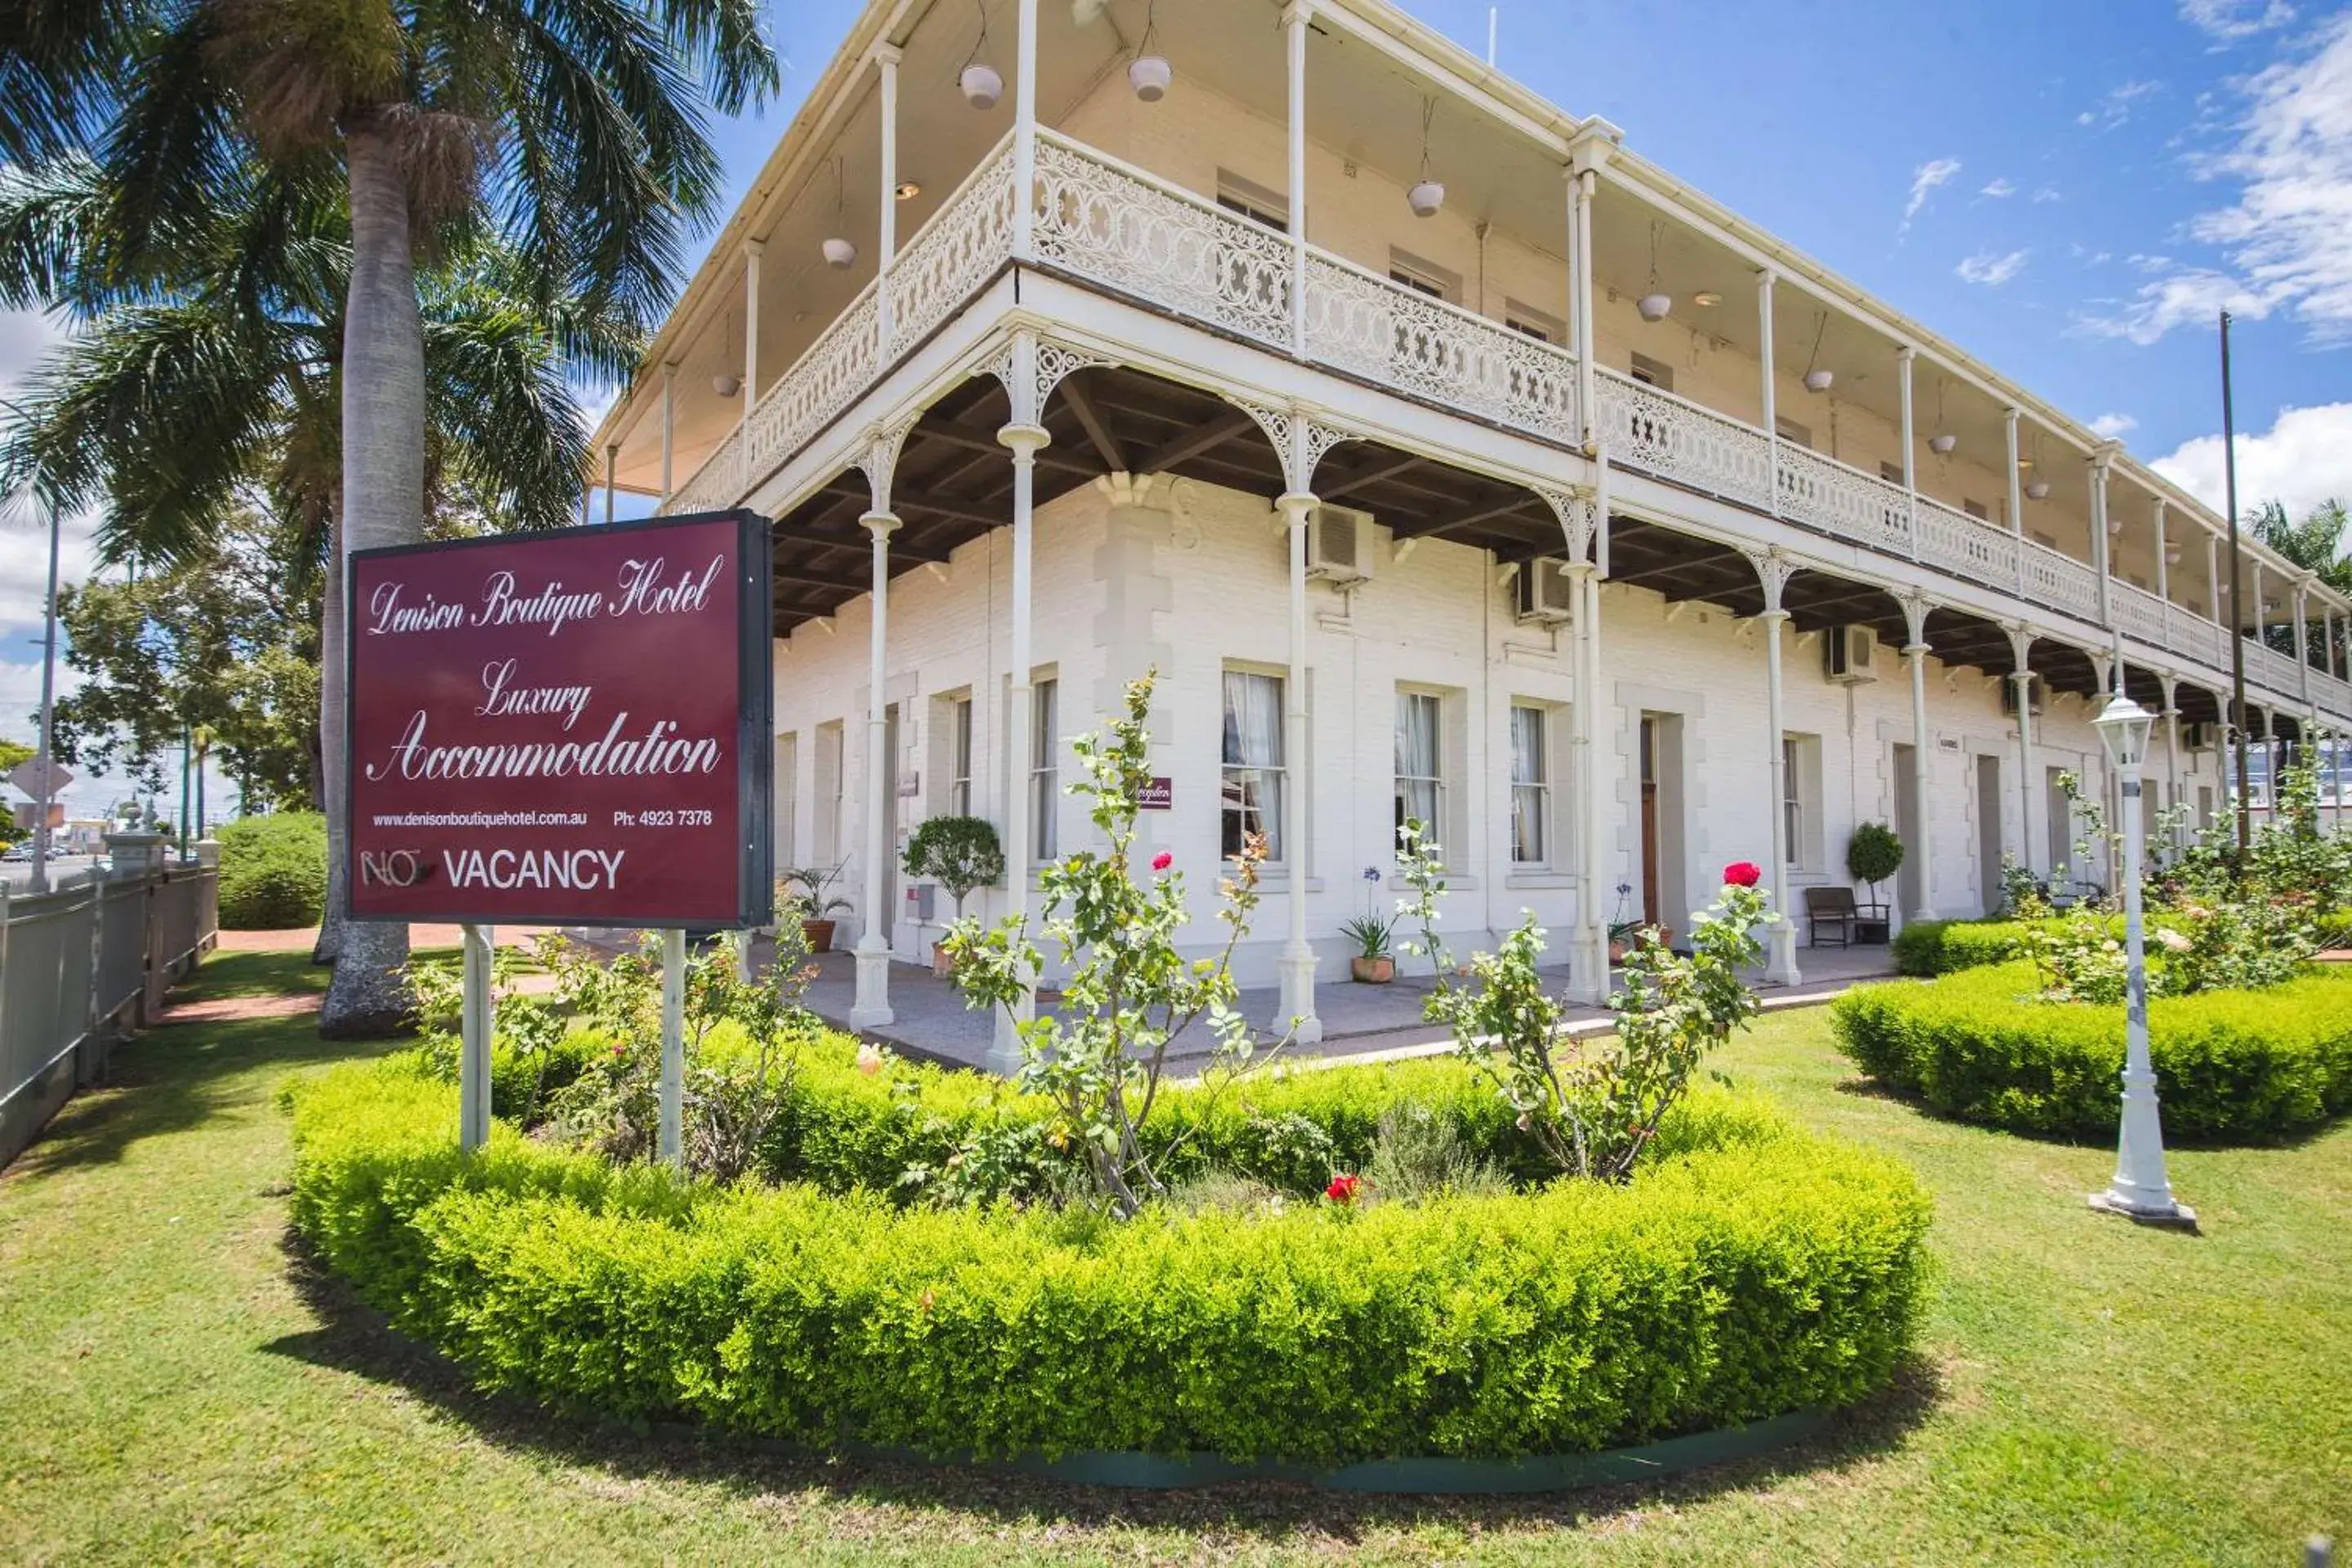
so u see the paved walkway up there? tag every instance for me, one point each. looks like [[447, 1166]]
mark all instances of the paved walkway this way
[[930, 1021]]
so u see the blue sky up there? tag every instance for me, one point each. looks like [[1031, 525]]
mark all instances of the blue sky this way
[[2068, 190]]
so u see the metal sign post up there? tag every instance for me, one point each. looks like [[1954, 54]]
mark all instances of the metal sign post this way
[[673, 1057], [474, 1053]]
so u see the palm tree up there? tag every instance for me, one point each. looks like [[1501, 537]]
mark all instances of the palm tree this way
[[174, 409], [570, 126], [2315, 544]]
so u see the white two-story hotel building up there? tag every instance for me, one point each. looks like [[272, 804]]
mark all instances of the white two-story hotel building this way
[[1442, 455]]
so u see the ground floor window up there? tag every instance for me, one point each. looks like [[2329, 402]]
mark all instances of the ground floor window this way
[[1530, 787], [1419, 784], [959, 757], [1254, 764], [1044, 771]]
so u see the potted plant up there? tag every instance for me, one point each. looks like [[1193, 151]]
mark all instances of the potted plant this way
[[801, 894], [1872, 856], [959, 853], [1374, 963]]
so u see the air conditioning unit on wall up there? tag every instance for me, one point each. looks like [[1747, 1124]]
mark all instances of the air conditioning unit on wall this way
[[1545, 592], [1339, 545], [2199, 737], [1850, 655], [2008, 698]]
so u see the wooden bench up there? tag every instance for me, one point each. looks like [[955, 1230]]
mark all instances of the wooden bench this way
[[1832, 908]]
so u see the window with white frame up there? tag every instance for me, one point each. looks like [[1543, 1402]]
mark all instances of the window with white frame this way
[[1529, 322], [1045, 773], [783, 833], [1531, 786], [1420, 766], [1253, 201], [1650, 372], [959, 757], [1789, 431], [827, 846], [1423, 276], [1792, 798], [1253, 777]]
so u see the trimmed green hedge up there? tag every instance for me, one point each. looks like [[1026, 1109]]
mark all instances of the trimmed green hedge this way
[[1926, 949], [1750, 1270], [273, 871], [2229, 1064]]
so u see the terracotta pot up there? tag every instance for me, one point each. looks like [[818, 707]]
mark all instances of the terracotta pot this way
[[1618, 948], [942, 964], [1373, 971], [818, 935]]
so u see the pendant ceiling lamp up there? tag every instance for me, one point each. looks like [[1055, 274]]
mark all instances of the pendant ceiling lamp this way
[[1654, 304], [839, 253], [1817, 375], [978, 81], [1943, 441], [725, 385], [2039, 489], [1149, 73], [1427, 195]]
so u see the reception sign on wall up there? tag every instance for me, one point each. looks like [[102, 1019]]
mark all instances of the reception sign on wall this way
[[565, 728]]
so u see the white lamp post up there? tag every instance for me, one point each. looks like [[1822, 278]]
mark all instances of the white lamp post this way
[[2139, 1190]]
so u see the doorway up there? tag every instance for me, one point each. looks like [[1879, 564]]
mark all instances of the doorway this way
[[1650, 906], [1989, 833], [1665, 881], [1909, 828]]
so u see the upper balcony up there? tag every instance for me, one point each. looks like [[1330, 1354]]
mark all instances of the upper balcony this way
[[1466, 312]]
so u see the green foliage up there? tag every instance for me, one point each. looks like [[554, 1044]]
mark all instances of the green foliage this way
[[1753, 1269], [1371, 934], [273, 871], [959, 853], [2229, 1064], [1099, 1055], [1873, 853], [1590, 1106]]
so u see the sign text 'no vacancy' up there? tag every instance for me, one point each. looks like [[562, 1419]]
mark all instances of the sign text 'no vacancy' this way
[[565, 728]]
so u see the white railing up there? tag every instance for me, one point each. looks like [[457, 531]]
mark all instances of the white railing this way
[[1826, 494], [957, 250], [2060, 581], [1139, 234], [2198, 637], [832, 373], [719, 483], [1670, 437], [2138, 613], [1405, 341], [2275, 669], [1967, 546]]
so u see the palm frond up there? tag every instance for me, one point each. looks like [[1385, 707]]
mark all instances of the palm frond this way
[[57, 59]]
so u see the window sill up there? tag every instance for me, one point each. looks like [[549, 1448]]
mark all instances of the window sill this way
[[1536, 878], [1453, 884]]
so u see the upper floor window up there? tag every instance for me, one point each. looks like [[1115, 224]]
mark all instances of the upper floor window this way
[[1891, 472], [1423, 276], [1976, 509], [1253, 762], [1654, 372], [1253, 201], [1529, 322], [1789, 431]]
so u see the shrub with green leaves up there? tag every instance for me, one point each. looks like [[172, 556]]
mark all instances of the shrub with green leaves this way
[[1753, 1268], [273, 871], [2230, 1065]]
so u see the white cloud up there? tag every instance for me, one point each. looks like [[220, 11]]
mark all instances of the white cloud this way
[[2281, 242], [1924, 180], [2047, 194], [2116, 107], [2107, 427], [1990, 270], [2303, 459], [1999, 186], [2227, 21]]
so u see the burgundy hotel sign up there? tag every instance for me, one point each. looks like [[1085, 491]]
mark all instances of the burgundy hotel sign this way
[[564, 727]]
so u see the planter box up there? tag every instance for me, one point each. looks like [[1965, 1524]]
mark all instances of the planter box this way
[[1371, 971]]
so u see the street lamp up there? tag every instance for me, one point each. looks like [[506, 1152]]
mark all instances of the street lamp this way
[[2139, 1190]]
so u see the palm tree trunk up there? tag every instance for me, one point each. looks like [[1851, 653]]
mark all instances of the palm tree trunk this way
[[382, 502], [330, 945]]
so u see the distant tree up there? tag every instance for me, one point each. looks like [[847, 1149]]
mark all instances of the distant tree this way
[[11, 753], [2317, 545]]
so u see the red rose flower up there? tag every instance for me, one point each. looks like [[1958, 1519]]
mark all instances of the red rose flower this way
[[1161, 861], [1743, 874], [1342, 1189]]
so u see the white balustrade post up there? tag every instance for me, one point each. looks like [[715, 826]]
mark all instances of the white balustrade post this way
[[871, 1009], [1024, 132], [2302, 640], [2261, 625], [1915, 654], [1587, 153], [1295, 17], [2100, 550], [1024, 440], [669, 431], [2213, 583], [2171, 750], [750, 391], [2163, 573], [2016, 496], [885, 59], [1764, 278], [1297, 962], [1903, 358]]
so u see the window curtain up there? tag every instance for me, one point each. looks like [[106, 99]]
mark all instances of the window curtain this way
[[1527, 786], [1416, 760], [1253, 758]]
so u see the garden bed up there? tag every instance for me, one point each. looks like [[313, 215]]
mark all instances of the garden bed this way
[[2230, 1065], [1749, 1270]]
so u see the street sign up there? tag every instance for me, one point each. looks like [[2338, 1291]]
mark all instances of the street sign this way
[[567, 728], [27, 776]]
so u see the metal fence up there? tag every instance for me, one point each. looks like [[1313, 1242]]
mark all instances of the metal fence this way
[[80, 967]]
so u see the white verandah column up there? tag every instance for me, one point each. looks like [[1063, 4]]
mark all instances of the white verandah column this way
[[2030, 856], [885, 59], [1295, 17], [1580, 512], [1773, 570], [1903, 357], [669, 431], [1023, 438], [872, 1007], [1764, 279], [1915, 654], [2016, 495]]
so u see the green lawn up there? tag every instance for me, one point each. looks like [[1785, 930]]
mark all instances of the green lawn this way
[[176, 1386]]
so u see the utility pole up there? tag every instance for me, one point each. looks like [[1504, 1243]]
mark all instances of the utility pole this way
[[47, 791], [2237, 632]]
